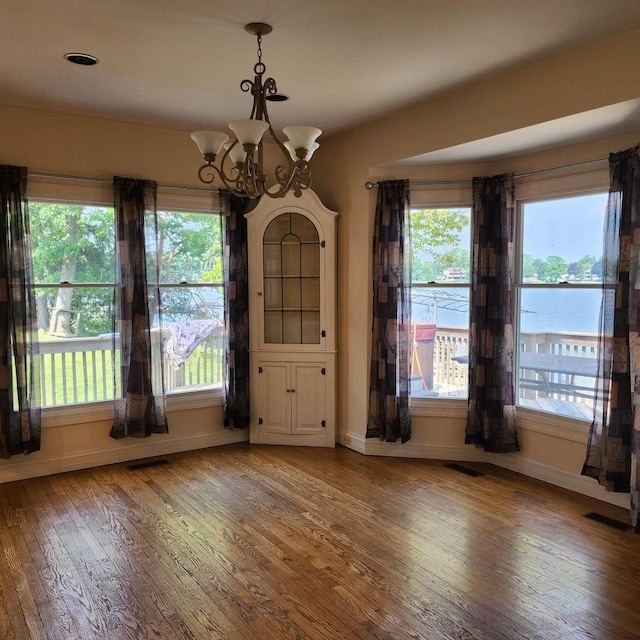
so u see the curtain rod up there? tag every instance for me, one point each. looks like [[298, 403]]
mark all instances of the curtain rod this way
[[57, 176], [373, 185]]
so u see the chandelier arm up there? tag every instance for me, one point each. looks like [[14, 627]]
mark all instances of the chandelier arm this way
[[296, 178], [207, 173]]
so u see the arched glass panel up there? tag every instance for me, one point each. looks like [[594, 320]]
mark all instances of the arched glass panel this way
[[291, 268]]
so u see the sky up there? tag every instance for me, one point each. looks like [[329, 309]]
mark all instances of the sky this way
[[568, 227]]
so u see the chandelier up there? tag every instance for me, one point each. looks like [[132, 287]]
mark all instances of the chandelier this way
[[241, 168]]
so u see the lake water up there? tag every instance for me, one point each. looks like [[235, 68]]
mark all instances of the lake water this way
[[565, 310]]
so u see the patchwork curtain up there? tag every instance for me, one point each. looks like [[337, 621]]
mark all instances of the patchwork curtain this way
[[140, 408], [236, 311], [491, 416], [389, 413], [19, 352], [613, 448]]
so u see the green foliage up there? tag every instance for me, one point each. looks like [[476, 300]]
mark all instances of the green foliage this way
[[431, 228], [555, 269], [63, 232], [190, 248], [76, 243], [435, 239], [528, 266]]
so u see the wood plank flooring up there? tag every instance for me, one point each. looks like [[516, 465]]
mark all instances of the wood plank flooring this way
[[245, 542]]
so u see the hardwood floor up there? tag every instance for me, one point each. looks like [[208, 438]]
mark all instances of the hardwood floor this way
[[262, 542]]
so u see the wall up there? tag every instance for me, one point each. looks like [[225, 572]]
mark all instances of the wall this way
[[73, 437], [594, 77]]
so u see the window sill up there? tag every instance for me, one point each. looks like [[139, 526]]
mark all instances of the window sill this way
[[439, 407], [103, 411], [553, 425], [528, 419]]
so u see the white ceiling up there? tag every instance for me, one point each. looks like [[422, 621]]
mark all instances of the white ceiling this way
[[179, 63]]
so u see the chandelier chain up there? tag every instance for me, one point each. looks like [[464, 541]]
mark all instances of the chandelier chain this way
[[259, 67]]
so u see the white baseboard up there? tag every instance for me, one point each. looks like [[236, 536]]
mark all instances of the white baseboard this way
[[22, 468], [467, 453]]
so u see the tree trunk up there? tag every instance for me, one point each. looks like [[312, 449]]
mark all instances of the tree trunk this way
[[60, 321]]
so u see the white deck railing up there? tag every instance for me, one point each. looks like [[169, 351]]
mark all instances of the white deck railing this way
[[76, 370], [435, 367]]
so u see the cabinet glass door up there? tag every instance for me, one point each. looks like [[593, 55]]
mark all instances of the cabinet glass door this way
[[291, 271]]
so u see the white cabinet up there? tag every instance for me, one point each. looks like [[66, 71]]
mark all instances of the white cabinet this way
[[292, 311], [292, 398]]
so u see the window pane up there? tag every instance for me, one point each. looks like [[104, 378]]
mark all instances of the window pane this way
[[440, 242], [190, 252], [72, 243], [440, 336], [76, 344], [190, 247], [76, 244], [192, 338], [561, 243], [562, 239], [558, 350]]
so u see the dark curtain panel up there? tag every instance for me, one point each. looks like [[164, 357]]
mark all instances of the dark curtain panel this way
[[491, 417], [389, 412], [236, 311], [140, 408], [613, 446], [19, 353]]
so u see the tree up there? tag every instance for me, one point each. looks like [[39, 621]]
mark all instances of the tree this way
[[435, 236], [596, 269], [528, 266], [74, 244], [555, 269], [539, 268], [431, 228], [585, 265]]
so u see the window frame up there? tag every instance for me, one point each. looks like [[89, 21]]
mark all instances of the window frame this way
[[99, 192], [444, 195], [535, 188]]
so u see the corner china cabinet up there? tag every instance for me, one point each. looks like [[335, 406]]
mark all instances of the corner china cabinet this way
[[292, 311]]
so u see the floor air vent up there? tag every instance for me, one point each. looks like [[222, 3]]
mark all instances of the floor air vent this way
[[462, 469], [610, 522], [146, 465]]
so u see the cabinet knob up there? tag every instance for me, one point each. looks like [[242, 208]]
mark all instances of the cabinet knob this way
[[288, 390]]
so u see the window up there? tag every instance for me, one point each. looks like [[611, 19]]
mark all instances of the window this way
[[440, 301], [559, 280], [192, 298], [74, 275]]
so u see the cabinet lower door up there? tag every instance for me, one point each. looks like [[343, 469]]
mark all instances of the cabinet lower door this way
[[309, 399], [274, 413]]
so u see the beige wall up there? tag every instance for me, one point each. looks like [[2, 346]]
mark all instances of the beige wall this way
[[594, 77], [597, 76], [67, 145]]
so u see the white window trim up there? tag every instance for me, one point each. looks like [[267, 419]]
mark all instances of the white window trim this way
[[98, 411], [441, 196], [99, 193], [535, 187]]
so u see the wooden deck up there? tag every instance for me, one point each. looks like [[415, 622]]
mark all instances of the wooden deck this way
[[257, 542]]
